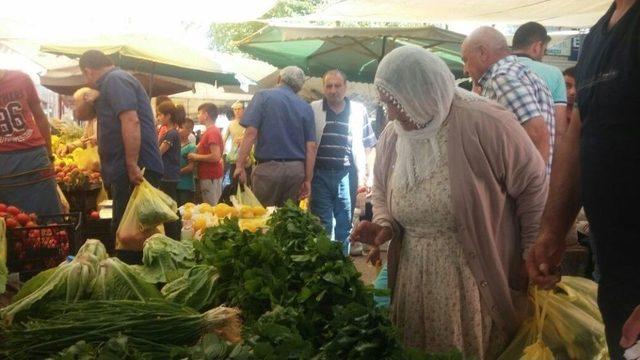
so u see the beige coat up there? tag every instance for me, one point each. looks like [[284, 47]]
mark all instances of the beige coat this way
[[498, 190]]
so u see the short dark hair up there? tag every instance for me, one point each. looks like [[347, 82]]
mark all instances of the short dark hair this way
[[529, 33], [570, 71], [210, 109], [187, 123], [162, 98], [169, 108], [335, 72], [94, 59]]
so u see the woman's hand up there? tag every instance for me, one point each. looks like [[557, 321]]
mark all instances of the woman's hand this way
[[373, 235]]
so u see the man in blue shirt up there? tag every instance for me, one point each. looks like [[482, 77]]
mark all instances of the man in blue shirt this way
[[282, 126], [529, 45], [127, 139]]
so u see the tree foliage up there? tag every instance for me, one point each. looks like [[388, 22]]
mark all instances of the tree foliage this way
[[223, 36]]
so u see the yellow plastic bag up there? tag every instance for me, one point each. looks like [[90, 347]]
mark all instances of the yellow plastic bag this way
[[245, 197], [253, 216], [566, 324], [102, 195], [87, 159], [147, 210], [63, 200]]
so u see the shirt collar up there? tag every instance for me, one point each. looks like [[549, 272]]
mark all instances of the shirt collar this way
[[493, 68], [101, 79], [325, 104]]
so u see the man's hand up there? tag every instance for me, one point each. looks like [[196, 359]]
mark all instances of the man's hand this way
[[543, 262], [305, 189], [240, 174], [631, 329], [135, 174]]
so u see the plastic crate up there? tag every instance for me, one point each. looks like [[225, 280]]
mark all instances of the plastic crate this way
[[34, 249], [82, 200]]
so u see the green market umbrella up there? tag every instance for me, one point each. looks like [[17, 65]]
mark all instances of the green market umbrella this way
[[355, 51], [151, 55]]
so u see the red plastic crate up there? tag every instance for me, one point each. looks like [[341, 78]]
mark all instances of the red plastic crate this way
[[34, 249]]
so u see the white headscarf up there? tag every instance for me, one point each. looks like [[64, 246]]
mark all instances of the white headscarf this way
[[423, 87]]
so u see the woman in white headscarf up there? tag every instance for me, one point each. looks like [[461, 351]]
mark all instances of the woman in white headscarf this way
[[459, 189]]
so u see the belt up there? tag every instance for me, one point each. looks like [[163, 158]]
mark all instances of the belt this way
[[260, 161]]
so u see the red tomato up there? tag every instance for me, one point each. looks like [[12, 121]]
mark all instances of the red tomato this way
[[23, 218], [31, 224], [3, 214], [94, 215], [12, 223], [3, 207], [13, 210]]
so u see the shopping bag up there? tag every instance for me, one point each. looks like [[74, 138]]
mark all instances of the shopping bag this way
[[565, 324], [64, 203], [147, 210], [245, 197], [253, 216], [87, 159], [102, 195]]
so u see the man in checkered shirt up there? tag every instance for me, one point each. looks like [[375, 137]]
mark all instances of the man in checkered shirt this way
[[502, 78]]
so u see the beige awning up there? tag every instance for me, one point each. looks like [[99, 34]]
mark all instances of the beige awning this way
[[565, 13]]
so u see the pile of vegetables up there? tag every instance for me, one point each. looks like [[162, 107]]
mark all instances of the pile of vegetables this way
[[299, 297], [165, 259], [152, 325]]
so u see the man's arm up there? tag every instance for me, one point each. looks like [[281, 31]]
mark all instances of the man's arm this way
[[309, 163], [537, 130], [131, 138], [631, 329], [561, 208], [214, 156], [42, 123], [560, 112], [250, 136]]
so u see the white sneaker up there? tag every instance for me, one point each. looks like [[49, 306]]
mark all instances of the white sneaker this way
[[356, 249]]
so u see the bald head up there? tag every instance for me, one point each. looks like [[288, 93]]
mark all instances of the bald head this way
[[489, 38], [481, 49]]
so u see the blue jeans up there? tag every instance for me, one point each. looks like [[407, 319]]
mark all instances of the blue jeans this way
[[353, 186], [331, 199], [33, 191]]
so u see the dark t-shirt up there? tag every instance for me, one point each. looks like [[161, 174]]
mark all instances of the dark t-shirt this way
[[608, 80], [120, 92], [171, 157]]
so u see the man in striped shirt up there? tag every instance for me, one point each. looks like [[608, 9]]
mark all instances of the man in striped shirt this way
[[340, 132], [502, 78]]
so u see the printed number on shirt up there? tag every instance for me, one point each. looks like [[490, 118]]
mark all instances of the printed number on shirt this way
[[11, 120]]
